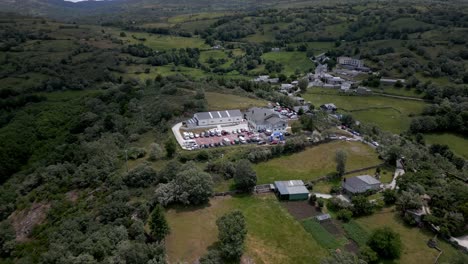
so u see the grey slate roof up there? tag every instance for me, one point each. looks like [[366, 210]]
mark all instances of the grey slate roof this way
[[218, 114], [360, 184], [263, 116], [306, 108], [291, 187]]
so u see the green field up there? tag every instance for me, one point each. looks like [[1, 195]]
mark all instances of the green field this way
[[273, 236], [162, 42], [315, 162], [291, 60], [415, 249], [322, 236], [398, 91], [390, 114], [220, 101], [458, 144]]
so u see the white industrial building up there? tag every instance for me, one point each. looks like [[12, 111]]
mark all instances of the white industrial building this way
[[215, 118], [351, 62]]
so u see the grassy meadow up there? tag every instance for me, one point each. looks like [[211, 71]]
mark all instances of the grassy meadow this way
[[274, 236], [292, 61], [315, 162], [220, 101], [390, 114], [415, 249], [457, 143]]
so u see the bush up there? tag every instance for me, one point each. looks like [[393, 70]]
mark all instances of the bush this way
[[336, 204], [361, 206], [156, 152], [142, 176], [389, 196], [344, 215], [386, 243], [368, 255], [136, 153]]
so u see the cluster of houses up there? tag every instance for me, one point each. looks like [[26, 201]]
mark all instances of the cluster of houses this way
[[322, 78]]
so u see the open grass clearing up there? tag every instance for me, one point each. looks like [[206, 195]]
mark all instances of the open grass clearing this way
[[315, 162], [457, 143], [220, 101], [414, 240], [292, 61], [273, 236], [398, 91], [162, 42], [391, 114]]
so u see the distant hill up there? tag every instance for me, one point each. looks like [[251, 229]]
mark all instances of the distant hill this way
[[125, 10]]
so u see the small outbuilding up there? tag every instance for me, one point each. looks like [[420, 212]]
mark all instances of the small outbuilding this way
[[293, 190], [323, 218]]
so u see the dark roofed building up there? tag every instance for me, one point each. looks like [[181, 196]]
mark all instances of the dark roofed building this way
[[291, 190], [215, 118], [361, 184]]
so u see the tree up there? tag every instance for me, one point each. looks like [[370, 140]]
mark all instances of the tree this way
[[156, 152], [407, 201], [158, 224], [386, 243], [340, 158], [303, 83], [142, 176], [7, 238], [347, 120], [361, 206], [389, 196], [232, 232], [245, 177], [344, 215], [190, 186], [171, 147]]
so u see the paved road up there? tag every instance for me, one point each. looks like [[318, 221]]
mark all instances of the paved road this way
[[178, 136]]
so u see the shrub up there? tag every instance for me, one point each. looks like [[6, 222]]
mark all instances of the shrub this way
[[142, 176], [158, 224], [368, 255], [344, 215]]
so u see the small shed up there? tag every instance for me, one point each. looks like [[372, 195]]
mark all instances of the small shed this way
[[323, 218], [294, 190]]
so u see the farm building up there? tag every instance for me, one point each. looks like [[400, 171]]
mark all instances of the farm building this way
[[264, 118], [214, 118], [291, 190], [361, 184]]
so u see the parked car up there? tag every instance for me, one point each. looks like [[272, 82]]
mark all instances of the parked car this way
[[261, 142]]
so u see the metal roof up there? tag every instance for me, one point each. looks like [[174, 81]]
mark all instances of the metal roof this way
[[218, 114], [291, 187], [323, 217], [360, 183]]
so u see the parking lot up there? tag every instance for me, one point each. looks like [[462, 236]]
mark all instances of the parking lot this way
[[225, 136]]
